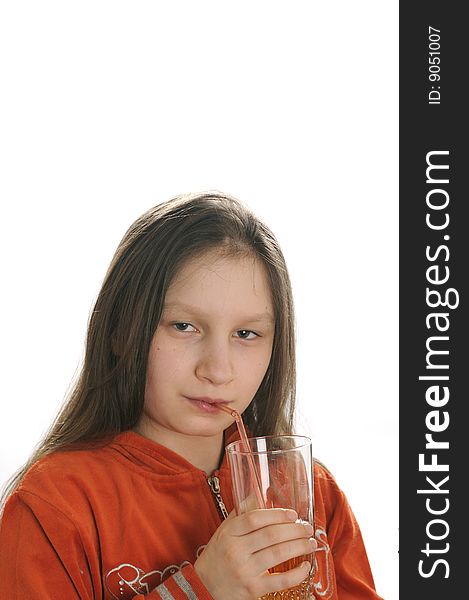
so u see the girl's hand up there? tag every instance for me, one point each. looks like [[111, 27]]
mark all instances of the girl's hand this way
[[234, 564]]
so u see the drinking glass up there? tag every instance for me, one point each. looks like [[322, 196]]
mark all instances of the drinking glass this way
[[276, 472]]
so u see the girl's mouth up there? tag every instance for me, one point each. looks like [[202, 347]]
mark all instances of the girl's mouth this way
[[208, 405]]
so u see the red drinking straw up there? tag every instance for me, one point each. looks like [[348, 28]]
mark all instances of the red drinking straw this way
[[247, 448]]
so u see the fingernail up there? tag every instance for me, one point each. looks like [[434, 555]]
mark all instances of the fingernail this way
[[314, 543], [292, 514], [306, 564], [308, 527]]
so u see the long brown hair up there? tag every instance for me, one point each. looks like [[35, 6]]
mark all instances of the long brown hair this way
[[107, 397]]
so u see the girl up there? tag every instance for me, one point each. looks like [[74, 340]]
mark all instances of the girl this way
[[129, 494]]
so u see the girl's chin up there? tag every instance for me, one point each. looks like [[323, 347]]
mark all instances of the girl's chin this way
[[195, 422]]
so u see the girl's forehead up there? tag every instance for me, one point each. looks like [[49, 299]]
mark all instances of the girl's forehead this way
[[214, 263], [214, 279]]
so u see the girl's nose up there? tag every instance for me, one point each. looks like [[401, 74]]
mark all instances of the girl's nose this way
[[215, 364]]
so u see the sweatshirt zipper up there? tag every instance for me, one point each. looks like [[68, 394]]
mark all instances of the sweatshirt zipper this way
[[214, 484]]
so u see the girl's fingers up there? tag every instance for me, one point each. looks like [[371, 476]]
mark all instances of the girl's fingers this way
[[275, 555], [277, 534], [275, 582], [259, 518]]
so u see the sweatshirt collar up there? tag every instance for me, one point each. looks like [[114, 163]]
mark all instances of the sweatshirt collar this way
[[160, 459]]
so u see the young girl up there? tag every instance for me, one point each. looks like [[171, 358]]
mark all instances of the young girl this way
[[129, 494]]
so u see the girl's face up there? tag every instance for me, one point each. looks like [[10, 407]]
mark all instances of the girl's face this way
[[213, 344]]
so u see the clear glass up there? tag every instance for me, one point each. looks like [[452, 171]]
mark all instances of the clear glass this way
[[276, 472]]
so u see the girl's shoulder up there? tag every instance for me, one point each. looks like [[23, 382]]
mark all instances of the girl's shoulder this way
[[328, 496], [62, 463], [323, 476], [321, 468], [67, 473], [74, 477], [75, 482]]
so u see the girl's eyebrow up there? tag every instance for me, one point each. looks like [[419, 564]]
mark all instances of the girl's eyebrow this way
[[255, 318]]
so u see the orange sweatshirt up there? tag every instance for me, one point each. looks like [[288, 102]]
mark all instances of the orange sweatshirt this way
[[128, 520]]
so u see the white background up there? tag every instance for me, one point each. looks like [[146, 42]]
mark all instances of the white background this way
[[108, 108]]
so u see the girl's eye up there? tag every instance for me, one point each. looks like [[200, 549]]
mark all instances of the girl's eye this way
[[183, 326], [246, 334]]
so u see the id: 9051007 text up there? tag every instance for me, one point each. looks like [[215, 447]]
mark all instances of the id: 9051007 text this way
[[434, 95]]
